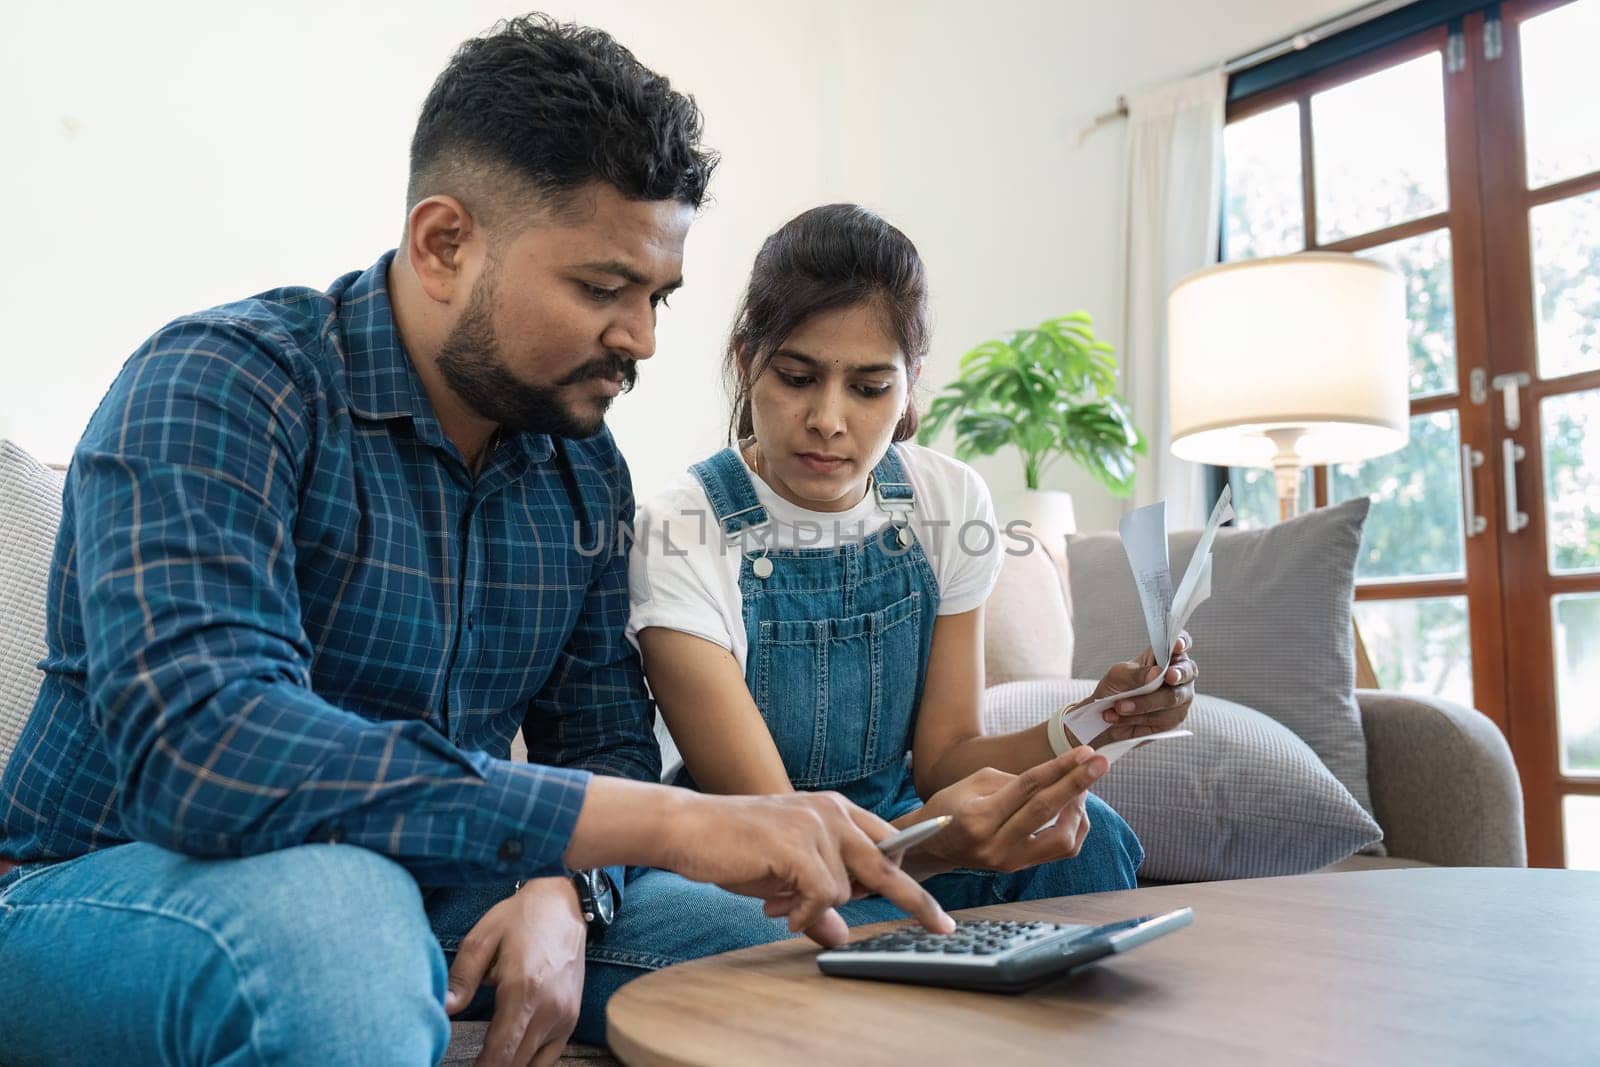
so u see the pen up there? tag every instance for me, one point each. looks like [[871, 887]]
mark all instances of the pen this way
[[913, 835]]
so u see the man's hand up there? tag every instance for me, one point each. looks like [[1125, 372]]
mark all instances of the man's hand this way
[[530, 948], [997, 814], [803, 853], [1154, 712]]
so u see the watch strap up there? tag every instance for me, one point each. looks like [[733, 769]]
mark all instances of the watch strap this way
[[588, 885]]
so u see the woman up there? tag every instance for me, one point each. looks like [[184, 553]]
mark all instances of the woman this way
[[809, 607]]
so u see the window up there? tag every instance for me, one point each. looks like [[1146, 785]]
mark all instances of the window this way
[[1465, 156]]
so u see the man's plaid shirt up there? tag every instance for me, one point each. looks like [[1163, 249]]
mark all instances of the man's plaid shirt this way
[[282, 610]]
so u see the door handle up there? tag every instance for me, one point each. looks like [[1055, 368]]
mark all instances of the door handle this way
[[1513, 454], [1509, 384], [1471, 460]]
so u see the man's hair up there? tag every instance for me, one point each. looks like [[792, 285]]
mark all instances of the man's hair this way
[[541, 107]]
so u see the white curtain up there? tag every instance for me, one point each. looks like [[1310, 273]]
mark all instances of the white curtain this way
[[1174, 208]]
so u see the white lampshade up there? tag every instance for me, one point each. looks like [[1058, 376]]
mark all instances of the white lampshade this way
[[1313, 343]]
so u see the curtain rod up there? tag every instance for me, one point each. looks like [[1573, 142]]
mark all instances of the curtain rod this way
[[1295, 42], [1305, 38]]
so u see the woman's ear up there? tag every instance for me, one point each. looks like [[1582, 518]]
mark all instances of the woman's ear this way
[[906, 428]]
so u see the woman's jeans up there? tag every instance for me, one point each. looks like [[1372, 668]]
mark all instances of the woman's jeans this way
[[135, 955], [666, 919]]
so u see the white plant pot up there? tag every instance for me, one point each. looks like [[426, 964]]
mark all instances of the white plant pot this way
[[1049, 515]]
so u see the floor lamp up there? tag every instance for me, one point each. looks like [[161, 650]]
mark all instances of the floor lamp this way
[[1288, 362]]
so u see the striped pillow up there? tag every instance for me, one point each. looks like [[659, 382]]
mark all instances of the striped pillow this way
[[30, 511], [1243, 798]]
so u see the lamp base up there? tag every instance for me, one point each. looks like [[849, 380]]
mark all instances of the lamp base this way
[[1286, 470]]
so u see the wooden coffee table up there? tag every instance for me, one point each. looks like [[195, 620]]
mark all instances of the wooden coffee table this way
[[1418, 967]]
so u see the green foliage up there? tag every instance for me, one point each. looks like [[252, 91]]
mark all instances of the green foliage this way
[[1415, 527], [1048, 392], [1572, 485]]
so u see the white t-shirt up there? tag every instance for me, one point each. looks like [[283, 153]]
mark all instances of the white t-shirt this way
[[683, 573]]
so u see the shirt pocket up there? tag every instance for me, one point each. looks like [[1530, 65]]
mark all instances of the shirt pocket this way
[[839, 694]]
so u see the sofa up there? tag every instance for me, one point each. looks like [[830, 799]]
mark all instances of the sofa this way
[[1443, 788]]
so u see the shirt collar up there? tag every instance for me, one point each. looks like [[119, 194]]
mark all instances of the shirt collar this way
[[381, 381]]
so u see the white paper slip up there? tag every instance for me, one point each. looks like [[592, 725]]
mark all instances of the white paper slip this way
[[1087, 722], [1115, 750], [1144, 539], [1166, 613]]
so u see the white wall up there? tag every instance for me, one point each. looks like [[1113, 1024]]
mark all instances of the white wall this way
[[167, 156]]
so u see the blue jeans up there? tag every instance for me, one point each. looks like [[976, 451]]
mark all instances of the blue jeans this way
[[136, 955], [668, 919]]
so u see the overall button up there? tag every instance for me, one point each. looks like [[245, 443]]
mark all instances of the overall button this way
[[510, 850]]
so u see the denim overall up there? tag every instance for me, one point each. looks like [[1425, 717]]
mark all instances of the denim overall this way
[[838, 639], [839, 642]]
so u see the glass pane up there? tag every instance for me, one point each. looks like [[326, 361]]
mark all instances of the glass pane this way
[[1566, 284], [1378, 144], [1255, 496], [1582, 816], [1571, 425], [1425, 264], [1419, 646], [1263, 212], [1414, 527], [1558, 50], [1577, 634]]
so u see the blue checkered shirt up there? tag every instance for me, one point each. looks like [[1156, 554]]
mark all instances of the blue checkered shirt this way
[[282, 610]]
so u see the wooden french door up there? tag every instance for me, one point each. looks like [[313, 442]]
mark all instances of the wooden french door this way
[[1540, 178], [1468, 158]]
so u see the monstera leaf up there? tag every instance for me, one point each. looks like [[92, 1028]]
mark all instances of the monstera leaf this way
[[1048, 392]]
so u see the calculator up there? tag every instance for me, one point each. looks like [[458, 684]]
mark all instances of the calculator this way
[[997, 957]]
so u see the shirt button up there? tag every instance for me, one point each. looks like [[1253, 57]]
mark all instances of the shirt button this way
[[511, 850], [335, 835]]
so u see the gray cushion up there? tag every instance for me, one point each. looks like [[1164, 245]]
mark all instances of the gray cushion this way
[[1275, 635], [30, 511], [1243, 798]]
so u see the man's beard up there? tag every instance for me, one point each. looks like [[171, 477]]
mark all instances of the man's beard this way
[[471, 364]]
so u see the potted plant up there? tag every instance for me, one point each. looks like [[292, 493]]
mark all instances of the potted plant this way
[[1048, 392]]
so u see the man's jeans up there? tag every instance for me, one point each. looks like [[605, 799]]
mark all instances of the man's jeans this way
[[136, 955]]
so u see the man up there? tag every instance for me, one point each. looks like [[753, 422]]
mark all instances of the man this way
[[322, 554]]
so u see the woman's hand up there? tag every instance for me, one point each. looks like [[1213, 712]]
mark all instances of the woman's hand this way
[[1156, 711], [996, 816]]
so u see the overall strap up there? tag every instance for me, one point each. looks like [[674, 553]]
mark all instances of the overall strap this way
[[733, 498], [894, 490]]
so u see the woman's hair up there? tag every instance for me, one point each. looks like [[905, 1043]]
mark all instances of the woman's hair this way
[[831, 257]]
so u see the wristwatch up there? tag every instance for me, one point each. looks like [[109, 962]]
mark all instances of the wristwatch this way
[[596, 899]]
